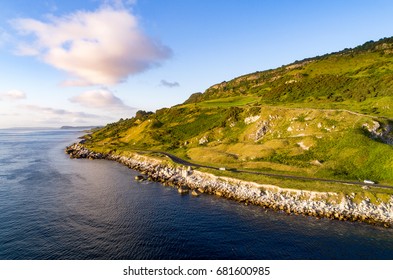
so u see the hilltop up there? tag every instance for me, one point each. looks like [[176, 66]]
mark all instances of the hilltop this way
[[328, 117]]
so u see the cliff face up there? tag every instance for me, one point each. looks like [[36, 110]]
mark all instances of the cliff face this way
[[318, 204]]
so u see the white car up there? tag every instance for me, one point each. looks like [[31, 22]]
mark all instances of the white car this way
[[368, 182]]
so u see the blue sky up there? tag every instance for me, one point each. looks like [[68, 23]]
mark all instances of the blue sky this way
[[92, 62]]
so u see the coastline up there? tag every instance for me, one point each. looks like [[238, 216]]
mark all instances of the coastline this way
[[296, 202]]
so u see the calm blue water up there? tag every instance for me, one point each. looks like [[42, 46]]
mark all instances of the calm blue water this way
[[52, 207]]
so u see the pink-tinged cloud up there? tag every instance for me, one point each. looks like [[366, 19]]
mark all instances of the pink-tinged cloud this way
[[53, 112], [36, 115], [101, 99], [13, 95], [103, 47]]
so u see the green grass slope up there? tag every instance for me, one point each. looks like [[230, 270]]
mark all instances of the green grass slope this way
[[359, 79], [327, 117]]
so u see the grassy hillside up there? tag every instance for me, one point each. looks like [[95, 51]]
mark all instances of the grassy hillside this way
[[328, 117], [358, 79]]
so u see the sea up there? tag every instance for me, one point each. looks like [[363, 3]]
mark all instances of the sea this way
[[54, 207]]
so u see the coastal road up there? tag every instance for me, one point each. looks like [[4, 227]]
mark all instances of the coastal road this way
[[283, 176]]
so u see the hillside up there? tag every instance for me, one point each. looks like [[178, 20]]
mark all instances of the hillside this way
[[327, 117]]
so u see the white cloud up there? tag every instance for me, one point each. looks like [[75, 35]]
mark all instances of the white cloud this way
[[33, 115], [53, 112], [101, 99], [119, 4], [165, 83], [13, 95], [4, 37], [96, 48], [36, 115]]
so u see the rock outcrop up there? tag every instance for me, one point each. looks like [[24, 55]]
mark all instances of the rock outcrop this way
[[380, 132]]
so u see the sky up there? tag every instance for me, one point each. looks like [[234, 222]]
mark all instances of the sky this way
[[92, 62]]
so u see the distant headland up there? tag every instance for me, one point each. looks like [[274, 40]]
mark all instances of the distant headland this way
[[80, 127]]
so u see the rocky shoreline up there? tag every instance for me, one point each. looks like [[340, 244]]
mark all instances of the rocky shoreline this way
[[298, 202]]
